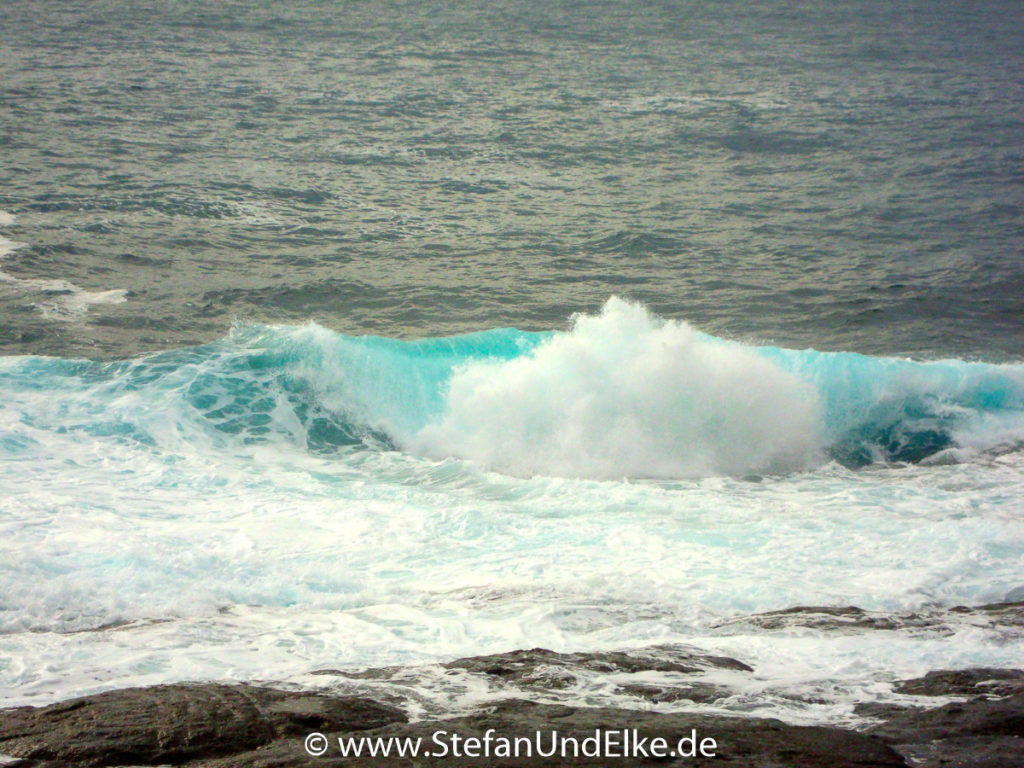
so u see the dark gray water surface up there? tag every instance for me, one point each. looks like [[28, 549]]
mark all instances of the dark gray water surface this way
[[832, 174]]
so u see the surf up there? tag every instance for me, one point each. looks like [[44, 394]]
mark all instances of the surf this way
[[616, 394]]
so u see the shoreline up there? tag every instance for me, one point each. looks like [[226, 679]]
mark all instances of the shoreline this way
[[962, 717]]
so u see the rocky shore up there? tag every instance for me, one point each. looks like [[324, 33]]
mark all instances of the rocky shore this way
[[967, 717]]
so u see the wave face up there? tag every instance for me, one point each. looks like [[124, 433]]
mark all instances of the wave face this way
[[622, 394], [619, 394]]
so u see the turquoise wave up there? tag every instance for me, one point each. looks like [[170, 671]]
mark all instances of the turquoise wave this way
[[678, 392]]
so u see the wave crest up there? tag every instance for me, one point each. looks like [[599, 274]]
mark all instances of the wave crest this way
[[618, 394], [623, 394]]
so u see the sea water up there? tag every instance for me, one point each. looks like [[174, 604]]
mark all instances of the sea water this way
[[289, 498], [362, 334]]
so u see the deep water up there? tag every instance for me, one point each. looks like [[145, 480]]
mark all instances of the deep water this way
[[844, 176]]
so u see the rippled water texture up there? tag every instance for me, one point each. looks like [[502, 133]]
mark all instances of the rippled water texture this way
[[839, 175]]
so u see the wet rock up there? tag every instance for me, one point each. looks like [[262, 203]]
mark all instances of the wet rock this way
[[703, 693], [1005, 614], [980, 732], [243, 726], [223, 726], [824, 617], [1008, 617], [877, 710], [678, 668], [175, 724], [981, 716], [539, 665], [965, 682], [986, 730], [972, 752]]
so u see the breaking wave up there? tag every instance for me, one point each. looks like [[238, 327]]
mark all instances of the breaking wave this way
[[619, 394]]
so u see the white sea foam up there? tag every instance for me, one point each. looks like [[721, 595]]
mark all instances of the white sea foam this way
[[625, 395], [72, 302], [6, 247], [375, 558], [59, 299]]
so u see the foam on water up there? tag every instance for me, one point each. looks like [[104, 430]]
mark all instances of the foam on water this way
[[290, 498], [623, 395], [59, 299], [7, 246]]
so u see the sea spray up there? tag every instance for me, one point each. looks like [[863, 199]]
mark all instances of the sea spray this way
[[623, 394]]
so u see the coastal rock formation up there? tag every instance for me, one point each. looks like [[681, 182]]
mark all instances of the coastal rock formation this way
[[965, 717], [1008, 616], [981, 732], [526, 673], [245, 727], [740, 742], [524, 665], [242, 726], [176, 724], [980, 681]]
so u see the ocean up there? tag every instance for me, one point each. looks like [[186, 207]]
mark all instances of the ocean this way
[[363, 334]]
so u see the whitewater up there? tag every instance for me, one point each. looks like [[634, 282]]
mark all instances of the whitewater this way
[[290, 498]]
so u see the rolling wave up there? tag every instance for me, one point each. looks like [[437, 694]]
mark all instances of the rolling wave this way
[[618, 394]]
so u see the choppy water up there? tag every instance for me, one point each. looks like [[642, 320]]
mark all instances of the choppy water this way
[[755, 181], [841, 175]]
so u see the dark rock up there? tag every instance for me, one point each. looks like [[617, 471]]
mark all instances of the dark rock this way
[[965, 682], [986, 731], [223, 726], [978, 717], [541, 665], [176, 723], [824, 617], [877, 710], [975, 752], [703, 693], [243, 726], [541, 671], [983, 732], [1008, 616]]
